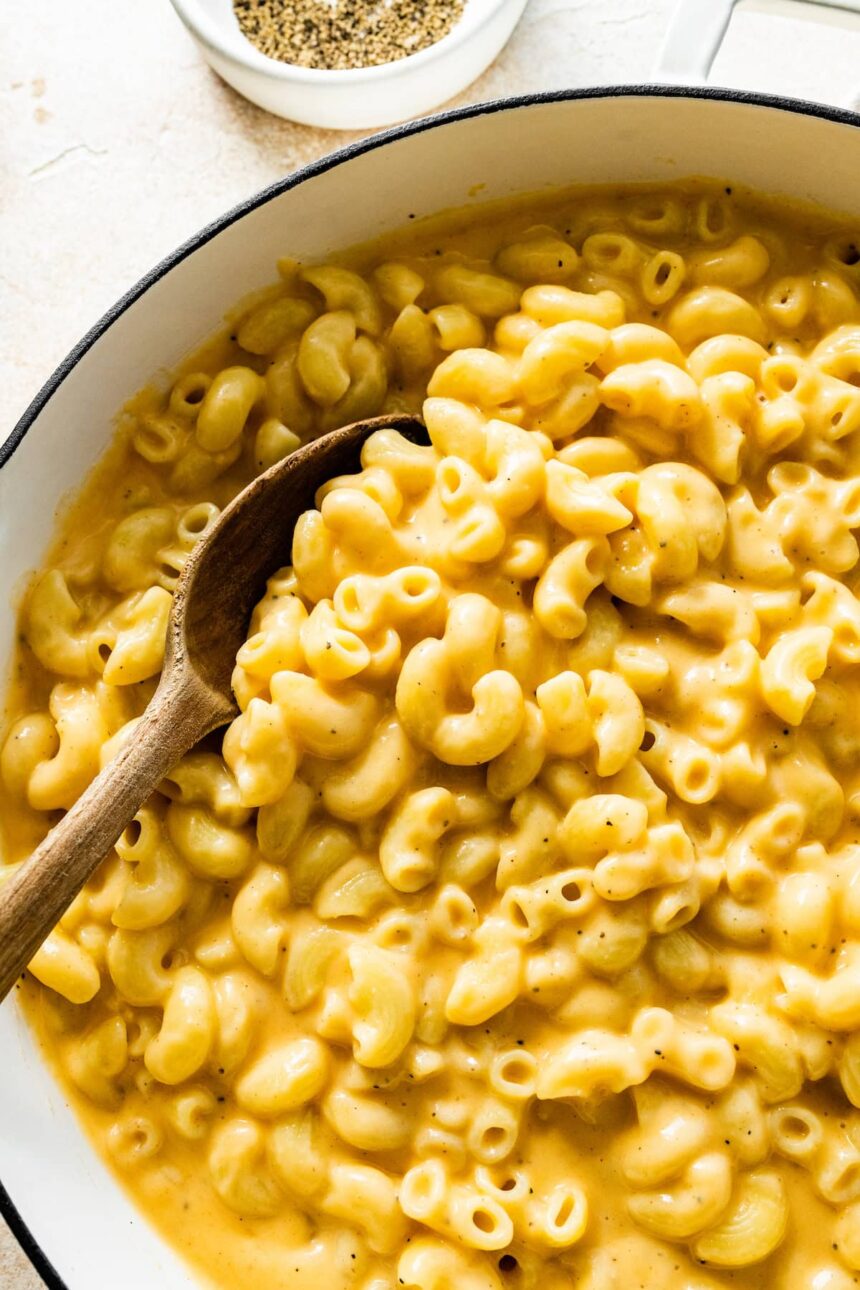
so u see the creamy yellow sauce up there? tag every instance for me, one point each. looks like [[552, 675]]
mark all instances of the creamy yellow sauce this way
[[513, 937]]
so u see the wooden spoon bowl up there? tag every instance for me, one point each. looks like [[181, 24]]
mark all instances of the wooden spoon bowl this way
[[222, 581]]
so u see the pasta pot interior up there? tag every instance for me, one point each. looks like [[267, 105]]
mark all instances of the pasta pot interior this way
[[65, 1207]]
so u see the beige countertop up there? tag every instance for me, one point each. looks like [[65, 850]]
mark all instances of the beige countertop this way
[[117, 142]]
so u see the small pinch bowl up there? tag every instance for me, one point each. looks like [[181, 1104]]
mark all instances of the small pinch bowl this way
[[361, 98]]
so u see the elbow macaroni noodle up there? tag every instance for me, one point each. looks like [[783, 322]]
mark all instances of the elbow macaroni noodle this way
[[511, 937]]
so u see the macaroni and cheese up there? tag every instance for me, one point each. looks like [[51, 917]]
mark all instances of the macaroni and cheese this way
[[511, 935]]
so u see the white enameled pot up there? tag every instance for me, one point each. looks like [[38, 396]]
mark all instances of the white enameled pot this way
[[77, 1225]]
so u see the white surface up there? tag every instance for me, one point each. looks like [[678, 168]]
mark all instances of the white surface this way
[[116, 143], [787, 47], [355, 97], [699, 27]]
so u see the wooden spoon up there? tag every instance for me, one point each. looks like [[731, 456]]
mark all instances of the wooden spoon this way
[[222, 581]]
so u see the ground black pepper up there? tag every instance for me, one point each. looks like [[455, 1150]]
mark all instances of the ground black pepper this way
[[344, 33]]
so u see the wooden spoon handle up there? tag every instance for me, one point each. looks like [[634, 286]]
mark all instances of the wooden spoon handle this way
[[41, 889]]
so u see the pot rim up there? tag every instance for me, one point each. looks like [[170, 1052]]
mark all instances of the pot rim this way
[[801, 107]]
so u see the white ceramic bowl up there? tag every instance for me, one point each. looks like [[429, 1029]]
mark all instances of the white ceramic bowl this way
[[77, 1225], [356, 99]]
